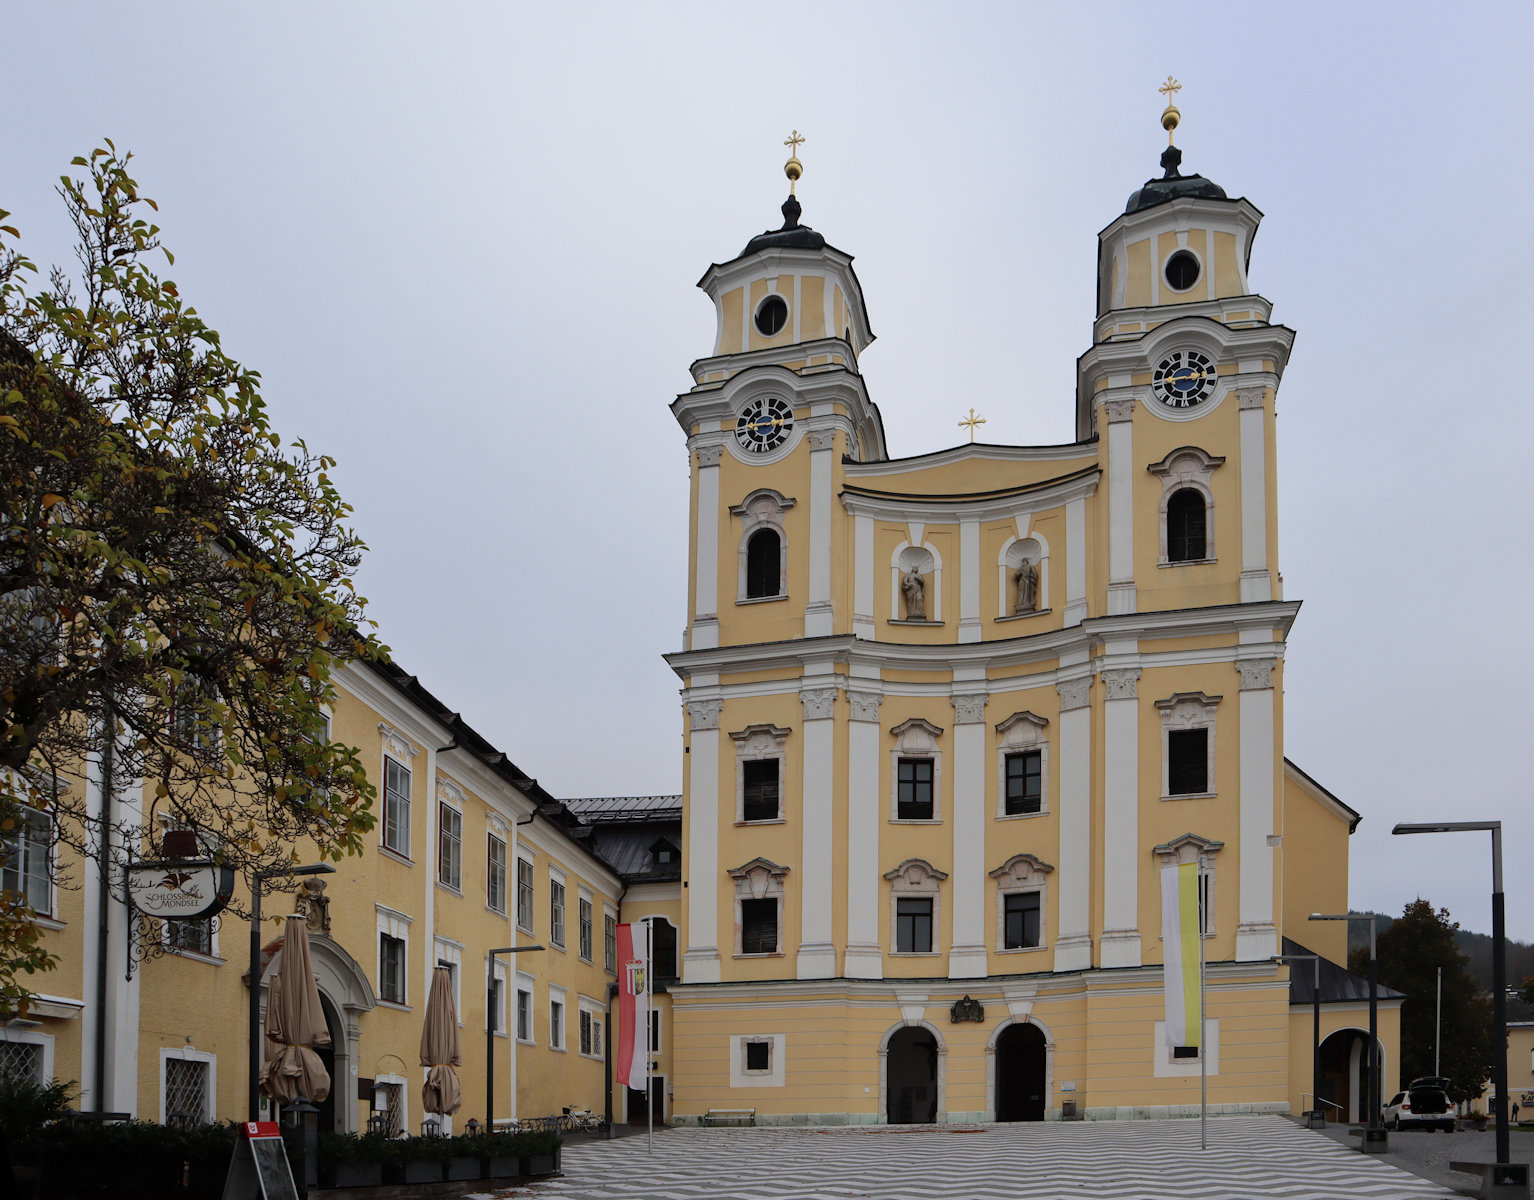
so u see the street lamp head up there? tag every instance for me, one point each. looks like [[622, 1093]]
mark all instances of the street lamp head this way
[[1448, 827], [314, 869], [1334, 917]]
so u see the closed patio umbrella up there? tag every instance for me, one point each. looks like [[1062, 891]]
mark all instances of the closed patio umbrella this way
[[295, 1024], [441, 1093]]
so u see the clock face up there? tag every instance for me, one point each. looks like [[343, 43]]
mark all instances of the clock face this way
[[764, 425], [1184, 379]]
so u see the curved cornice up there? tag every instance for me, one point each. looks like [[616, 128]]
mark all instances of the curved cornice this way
[[975, 506], [974, 452]]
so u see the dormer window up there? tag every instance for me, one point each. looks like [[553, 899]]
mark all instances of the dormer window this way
[[664, 853]]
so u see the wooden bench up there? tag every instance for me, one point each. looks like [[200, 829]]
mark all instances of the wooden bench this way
[[730, 1116]]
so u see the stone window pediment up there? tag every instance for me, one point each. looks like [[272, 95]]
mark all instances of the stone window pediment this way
[[1021, 870], [916, 875]]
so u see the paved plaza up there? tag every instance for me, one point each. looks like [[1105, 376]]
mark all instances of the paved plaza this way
[[1252, 1157]]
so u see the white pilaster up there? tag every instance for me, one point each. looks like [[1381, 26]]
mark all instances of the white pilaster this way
[[817, 952], [863, 578], [863, 959], [1256, 583], [1121, 812], [1256, 936], [1073, 947], [969, 581], [818, 616], [1121, 560], [429, 876], [967, 950], [1075, 562], [700, 964], [705, 622]]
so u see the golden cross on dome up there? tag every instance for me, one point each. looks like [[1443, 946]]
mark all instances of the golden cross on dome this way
[[1170, 117], [793, 168], [1169, 89], [794, 142], [972, 421]]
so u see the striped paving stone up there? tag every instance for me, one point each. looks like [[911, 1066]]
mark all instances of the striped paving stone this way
[[1248, 1157]]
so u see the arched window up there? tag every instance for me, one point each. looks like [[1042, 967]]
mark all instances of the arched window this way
[[1185, 526], [763, 564]]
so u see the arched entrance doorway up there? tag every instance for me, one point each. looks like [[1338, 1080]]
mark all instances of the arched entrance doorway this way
[[1020, 1075], [326, 1120], [911, 1095], [1345, 1074]]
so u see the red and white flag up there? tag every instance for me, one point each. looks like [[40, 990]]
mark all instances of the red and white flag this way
[[633, 1004]]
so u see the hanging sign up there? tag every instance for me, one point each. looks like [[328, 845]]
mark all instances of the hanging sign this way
[[259, 1169], [180, 889]]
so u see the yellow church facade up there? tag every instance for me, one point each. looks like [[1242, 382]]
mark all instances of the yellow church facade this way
[[946, 717]]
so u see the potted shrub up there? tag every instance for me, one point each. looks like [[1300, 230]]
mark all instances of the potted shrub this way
[[542, 1153], [502, 1155], [462, 1157], [422, 1158]]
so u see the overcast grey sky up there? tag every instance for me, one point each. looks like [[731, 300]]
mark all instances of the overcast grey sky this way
[[460, 243]]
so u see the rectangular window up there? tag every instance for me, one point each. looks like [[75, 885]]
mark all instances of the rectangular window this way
[[1021, 915], [585, 1032], [759, 926], [1205, 883], [396, 807], [495, 874], [557, 913], [914, 801], [913, 926], [586, 929], [196, 936], [557, 1024], [1025, 777], [591, 1034], [393, 1107], [449, 846], [758, 1056], [525, 894], [655, 1031], [1187, 765], [610, 940], [1189, 1053], [524, 1016], [759, 784], [497, 991], [24, 861], [22, 1062], [391, 968], [186, 1093]]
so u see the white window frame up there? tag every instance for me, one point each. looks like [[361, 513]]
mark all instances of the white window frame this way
[[396, 925], [383, 825], [492, 837], [596, 1013], [1186, 711], [526, 986], [916, 738], [531, 893], [1188, 468], [774, 1076], [400, 1082], [762, 509], [1020, 874], [586, 924], [444, 808], [32, 1037], [609, 940], [1021, 733], [758, 743], [503, 1013], [759, 879], [187, 1054], [449, 953], [559, 1030], [557, 922], [916, 879], [18, 843]]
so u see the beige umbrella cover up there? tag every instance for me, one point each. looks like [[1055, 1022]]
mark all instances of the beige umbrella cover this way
[[440, 1052], [295, 1024]]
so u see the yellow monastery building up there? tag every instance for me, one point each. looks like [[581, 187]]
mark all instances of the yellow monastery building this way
[[944, 720]]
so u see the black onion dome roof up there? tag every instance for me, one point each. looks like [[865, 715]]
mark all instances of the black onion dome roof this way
[[1173, 186], [792, 236]]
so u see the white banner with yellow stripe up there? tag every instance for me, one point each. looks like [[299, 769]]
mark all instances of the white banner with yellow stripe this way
[[1180, 946]]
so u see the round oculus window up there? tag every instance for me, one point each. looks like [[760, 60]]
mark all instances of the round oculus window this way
[[1184, 379], [764, 424], [1182, 271], [771, 315]]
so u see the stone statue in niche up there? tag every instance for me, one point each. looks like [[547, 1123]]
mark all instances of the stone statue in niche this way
[[315, 906], [915, 589], [1027, 576]]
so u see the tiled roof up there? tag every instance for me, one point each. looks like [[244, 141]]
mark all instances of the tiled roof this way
[[1338, 984]]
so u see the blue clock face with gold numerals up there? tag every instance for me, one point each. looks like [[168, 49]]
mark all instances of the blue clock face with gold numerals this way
[[764, 424], [1184, 379]]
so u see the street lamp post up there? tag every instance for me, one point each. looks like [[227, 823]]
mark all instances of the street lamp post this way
[[1315, 1004], [490, 958], [253, 1049], [1374, 1137], [1504, 1172]]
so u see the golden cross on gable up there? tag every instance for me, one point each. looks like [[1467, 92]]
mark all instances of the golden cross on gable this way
[[972, 421], [1169, 89], [794, 142]]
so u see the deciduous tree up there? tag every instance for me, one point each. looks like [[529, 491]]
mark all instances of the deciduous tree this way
[[176, 584]]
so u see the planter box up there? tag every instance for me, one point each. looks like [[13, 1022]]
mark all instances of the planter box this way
[[356, 1174], [463, 1168], [424, 1171], [542, 1164], [504, 1168]]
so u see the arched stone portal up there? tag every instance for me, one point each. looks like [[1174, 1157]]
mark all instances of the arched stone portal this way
[[1021, 1091], [1345, 1073], [911, 1070], [345, 995]]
